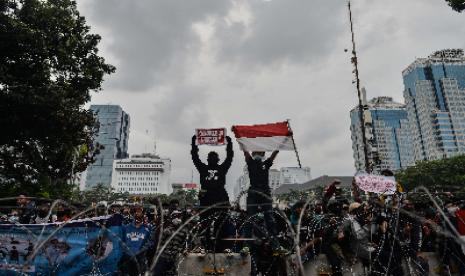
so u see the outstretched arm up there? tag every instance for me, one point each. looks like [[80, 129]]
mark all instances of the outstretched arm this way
[[356, 192], [229, 154], [273, 155], [329, 193], [195, 154], [247, 155], [269, 162]]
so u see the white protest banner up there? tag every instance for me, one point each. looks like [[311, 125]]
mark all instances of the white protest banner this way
[[378, 184], [211, 136]]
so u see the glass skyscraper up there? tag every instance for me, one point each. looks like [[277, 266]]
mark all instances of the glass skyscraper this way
[[435, 98], [387, 135], [113, 135]]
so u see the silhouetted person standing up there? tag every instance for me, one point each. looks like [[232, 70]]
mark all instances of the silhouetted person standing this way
[[259, 194], [212, 174], [212, 183], [28, 209]]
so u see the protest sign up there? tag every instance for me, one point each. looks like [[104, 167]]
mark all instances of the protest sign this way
[[211, 136], [376, 183], [74, 248]]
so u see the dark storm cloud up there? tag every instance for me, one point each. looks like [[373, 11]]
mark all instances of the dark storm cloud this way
[[178, 111], [210, 63], [150, 37], [294, 31]]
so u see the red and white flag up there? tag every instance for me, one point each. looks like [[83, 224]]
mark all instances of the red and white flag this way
[[267, 137]]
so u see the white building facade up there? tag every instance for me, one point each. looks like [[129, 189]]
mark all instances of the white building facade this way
[[142, 174], [277, 178], [293, 175]]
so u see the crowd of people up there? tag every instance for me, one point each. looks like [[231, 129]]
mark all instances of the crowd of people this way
[[385, 235]]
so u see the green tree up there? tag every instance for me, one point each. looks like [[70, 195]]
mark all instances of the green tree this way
[[49, 63], [158, 198], [446, 175], [457, 5], [99, 193], [295, 195], [184, 197]]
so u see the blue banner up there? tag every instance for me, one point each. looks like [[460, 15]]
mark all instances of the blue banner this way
[[81, 247]]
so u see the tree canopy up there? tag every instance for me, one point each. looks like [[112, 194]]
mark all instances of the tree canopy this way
[[446, 175], [49, 64], [457, 5]]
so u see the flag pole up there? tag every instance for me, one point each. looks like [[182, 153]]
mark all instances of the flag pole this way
[[293, 142]]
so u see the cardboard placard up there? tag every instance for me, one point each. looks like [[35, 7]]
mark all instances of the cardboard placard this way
[[211, 136]]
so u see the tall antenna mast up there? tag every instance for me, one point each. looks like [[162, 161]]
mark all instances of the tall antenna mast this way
[[361, 107]]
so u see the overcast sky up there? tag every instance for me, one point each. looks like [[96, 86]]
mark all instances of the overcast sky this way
[[192, 64]]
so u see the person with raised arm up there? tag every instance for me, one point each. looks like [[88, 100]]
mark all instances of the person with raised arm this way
[[213, 192], [259, 195], [212, 174]]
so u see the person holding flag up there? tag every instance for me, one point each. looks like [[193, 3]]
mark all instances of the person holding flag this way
[[259, 139], [259, 193]]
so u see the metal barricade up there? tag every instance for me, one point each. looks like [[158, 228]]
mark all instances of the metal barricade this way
[[195, 264]]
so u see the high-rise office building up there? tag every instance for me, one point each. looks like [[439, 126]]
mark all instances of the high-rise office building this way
[[435, 97], [387, 135], [113, 135]]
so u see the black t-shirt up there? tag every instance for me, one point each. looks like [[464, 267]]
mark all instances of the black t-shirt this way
[[28, 213], [259, 173], [213, 177]]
